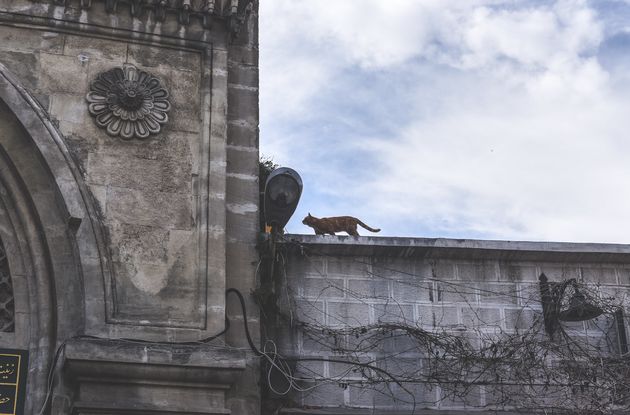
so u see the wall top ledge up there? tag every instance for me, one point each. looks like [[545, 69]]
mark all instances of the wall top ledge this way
[[460, 248]]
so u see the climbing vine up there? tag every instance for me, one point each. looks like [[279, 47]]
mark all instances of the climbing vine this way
[[583, 368]]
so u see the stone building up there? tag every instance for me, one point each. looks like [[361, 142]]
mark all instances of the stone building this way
[[128, 188], [129, 208]]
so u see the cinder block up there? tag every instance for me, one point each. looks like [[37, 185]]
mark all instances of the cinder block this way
[[317, 288], [478, 271], [456, 293], [356, 267], [399, 268], [323, 395], [319, 344], [413, 291], [393, 313], [437, 316], [353, 314], [505, 395], [603, 324], [361, 396], [594, 343], [393, 396], [398, 343], [373, 288], [346, 370], [529, 295], [559, 272], [490, 293], [310, 369], [624, 276], [402, 367], [459, 397], [443, 270], [521, 319], [576, 326], [311, 266], [480, 317], [602, 275], [311, 312], [517, 272]]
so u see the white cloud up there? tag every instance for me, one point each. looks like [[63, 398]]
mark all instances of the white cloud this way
[[532, 37], [518, 167], [518, 130], [306, 43]]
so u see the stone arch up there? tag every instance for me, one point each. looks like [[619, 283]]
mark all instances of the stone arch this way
[[50, 229]]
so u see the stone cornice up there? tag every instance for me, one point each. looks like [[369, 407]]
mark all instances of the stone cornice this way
[[184, 12], [127, 377]]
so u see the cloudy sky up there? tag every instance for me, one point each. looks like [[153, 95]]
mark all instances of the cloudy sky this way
[[491, 119]]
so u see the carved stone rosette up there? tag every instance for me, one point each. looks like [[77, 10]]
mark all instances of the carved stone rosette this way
[[128, 102]]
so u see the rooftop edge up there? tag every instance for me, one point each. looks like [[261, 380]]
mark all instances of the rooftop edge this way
[[461, 248]]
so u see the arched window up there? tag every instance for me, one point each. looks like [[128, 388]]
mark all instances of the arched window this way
[[7, 306]]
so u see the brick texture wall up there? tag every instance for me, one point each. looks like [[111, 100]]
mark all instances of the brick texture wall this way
[[473, 288]]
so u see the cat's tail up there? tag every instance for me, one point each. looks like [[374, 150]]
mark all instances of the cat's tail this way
[[367, 227]]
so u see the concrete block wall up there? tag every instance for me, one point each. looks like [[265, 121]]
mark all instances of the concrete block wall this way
[[473, 288]]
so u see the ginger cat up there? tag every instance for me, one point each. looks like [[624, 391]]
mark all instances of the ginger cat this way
[[334, 224]]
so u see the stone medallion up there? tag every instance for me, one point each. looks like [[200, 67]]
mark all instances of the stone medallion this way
[[128, 102]]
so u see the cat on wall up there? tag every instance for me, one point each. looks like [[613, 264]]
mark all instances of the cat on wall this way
[[347, 224]]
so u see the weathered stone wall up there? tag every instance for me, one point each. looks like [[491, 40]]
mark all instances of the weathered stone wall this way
[[474, 288], [242, 205], [152, 193], [175, 213]]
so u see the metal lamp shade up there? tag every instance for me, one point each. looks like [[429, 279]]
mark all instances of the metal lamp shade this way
[[282, 194], [579, 309]]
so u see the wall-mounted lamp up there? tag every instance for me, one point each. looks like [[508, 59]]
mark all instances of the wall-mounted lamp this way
[[282, 194], [578, 309]]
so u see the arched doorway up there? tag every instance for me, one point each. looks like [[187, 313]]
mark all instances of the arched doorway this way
[[51, 236]]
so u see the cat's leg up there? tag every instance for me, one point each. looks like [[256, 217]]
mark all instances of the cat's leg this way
[[353, 231]]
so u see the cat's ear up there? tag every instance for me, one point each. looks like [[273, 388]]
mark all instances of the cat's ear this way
[[309, 214]]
